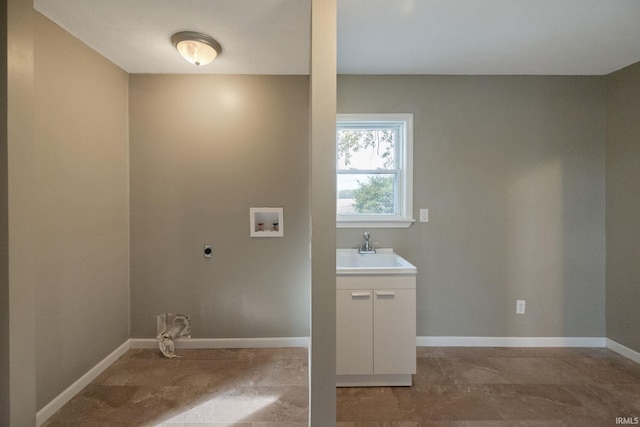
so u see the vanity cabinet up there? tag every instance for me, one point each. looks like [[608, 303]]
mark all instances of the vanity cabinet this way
[[376, 330]]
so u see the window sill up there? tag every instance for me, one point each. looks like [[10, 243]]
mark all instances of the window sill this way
[[373, 223]]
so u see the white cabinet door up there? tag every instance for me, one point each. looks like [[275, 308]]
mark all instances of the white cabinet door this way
[[394, 331], [354, 334]]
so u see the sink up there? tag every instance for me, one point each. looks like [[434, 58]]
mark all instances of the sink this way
[[375, 319], [384, 261]]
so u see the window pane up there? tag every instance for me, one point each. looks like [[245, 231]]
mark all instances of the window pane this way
[[368, 149], [366, 194]]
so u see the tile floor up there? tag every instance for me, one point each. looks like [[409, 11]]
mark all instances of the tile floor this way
[[502, 387], [222, 387], [453, 387]]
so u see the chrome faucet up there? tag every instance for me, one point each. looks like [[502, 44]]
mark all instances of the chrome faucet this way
[[367, 248]]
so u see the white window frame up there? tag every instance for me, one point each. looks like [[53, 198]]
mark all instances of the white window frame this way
[[404, 216]]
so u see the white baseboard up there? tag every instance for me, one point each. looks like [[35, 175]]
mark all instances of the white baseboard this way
[[511, 342], [225, 342], [58, 402], [625, 351]]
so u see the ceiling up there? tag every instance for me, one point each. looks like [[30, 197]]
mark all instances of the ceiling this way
[[557, 37]]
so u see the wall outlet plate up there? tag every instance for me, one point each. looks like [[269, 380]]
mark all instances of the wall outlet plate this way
[[424, 215], [208, 251]]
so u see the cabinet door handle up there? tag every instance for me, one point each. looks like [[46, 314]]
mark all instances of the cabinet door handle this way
[[360, 294], [385, 294]]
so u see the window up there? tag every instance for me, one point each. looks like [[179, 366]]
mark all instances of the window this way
[[374, 170]]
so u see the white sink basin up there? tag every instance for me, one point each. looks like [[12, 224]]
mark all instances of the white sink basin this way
[[384, 261]]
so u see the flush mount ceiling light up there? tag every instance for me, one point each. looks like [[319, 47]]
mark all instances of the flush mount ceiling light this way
[[197, 48]]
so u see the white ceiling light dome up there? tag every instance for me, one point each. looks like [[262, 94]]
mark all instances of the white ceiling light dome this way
[[197, 48]]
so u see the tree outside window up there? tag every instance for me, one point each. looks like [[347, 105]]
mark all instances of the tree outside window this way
[[372, 170]]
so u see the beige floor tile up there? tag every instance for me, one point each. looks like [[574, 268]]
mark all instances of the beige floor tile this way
[[454, 387]]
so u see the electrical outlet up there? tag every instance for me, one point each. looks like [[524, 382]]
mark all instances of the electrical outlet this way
[[208, 251], [520, 304], [424, 215]]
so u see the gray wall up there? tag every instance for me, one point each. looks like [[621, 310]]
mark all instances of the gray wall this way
[[322, 360], [18, 403], [623, 206], [80, 249], [204, 149], [512, 171], [19, 335], [4, 221]]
